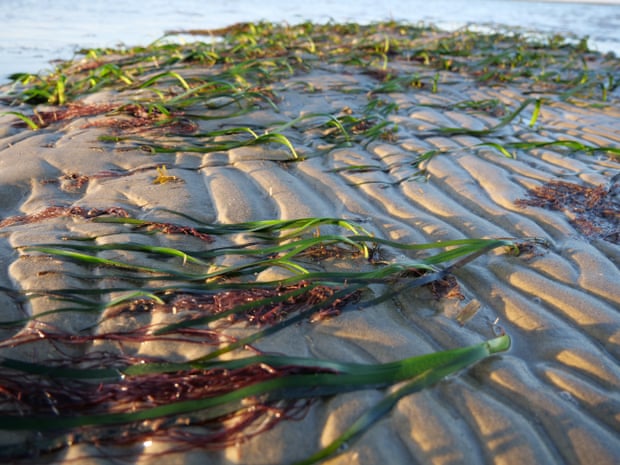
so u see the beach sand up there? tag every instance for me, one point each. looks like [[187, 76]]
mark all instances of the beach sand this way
[[553, 398]]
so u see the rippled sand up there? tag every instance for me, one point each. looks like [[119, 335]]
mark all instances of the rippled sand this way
[[552, 399]]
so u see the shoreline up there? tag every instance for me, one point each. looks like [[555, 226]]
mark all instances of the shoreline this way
[[408, 135], [30, 41]]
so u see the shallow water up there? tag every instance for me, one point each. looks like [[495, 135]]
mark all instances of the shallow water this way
[[33, 32]]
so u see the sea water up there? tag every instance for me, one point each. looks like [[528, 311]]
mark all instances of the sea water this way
[[34, 32]]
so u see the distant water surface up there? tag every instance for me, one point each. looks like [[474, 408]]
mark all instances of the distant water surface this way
[[34, 32]]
